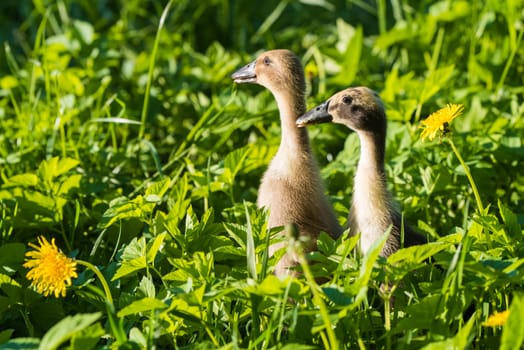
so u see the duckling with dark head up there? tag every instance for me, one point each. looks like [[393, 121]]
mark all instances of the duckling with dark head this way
[[372, 207], [291, 187]]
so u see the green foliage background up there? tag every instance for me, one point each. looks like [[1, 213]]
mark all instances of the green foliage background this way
[[123, 137]]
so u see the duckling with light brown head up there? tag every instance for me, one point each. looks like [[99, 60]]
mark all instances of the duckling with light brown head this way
[[372, 207], [291, 187]]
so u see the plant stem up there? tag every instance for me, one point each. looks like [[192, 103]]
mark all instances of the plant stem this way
[[317, 297], [509, 62], [101, 277], [150, 71], [382, 16], [387, 317], [468, 175]]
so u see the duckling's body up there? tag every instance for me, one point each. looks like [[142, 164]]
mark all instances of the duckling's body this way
[[291, 188], [372, 206]]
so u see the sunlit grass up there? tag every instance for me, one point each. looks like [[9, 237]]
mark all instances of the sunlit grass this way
[[123, 140]]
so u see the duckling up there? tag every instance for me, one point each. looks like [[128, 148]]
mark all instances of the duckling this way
[[291, 188], [372, 208]]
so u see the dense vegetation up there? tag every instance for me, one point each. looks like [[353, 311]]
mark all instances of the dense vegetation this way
[[123, 138]]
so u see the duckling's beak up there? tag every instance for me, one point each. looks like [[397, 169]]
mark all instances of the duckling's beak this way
[[245, 74], [317, 115]]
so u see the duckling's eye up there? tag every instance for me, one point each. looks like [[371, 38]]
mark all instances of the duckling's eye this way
[[267, 61], [347, 100]]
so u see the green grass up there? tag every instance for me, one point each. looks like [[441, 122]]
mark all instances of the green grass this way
[[123, 137]]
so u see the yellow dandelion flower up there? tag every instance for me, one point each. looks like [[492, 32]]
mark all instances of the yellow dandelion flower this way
[[497, 319], [439, 120], [50, 271]]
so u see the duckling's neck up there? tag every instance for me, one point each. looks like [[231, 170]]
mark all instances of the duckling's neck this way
[[293, 138], [372, 153], [370, 207]]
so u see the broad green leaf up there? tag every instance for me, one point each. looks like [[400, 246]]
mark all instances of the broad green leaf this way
[[181, 309], [360, 287], [458, 342], [436, 81], [227, 251], [513, 331], [87, 338], [135, 335], [401, 32], [8, 82], [198, 267], [129, 266], [142, 305], [133, 258], [233, 163], [14, 293], [5, 303], [178, 201], [204, 263], [450, 11], [36, 206], [135, 249], [21, 344], [5, 335], [50, 311], [122, 208], [65, 329], [400, 108], [416, 254], [51, 168], [348, 245], [85, 31], [25, 180], [70, 183], [420, 315], [155, 246], [70, 81], [510, 221], [479, 72], [158, 188], [326, 244], [237, 233], [11, 257], [463, 338], [259, 156], [350, 46], [196, 297], [337, 296], [178, 275], [6, 280], [152, 198], [271, 285], [147, 287]]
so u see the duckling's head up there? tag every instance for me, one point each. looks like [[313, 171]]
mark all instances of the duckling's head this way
[[276, 70], [359, 108]]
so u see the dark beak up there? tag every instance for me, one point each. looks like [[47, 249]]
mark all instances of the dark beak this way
[[245, 74], [317, 115]]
